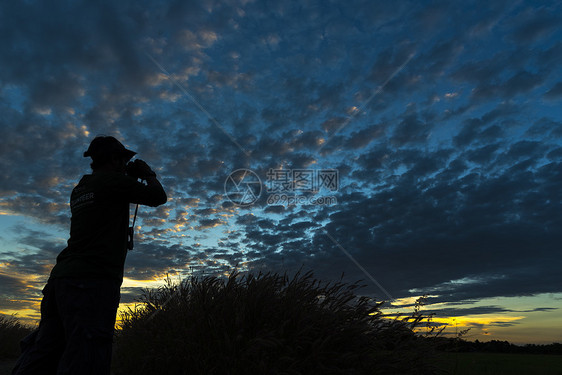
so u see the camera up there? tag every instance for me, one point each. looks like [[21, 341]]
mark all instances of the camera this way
[[139, 169], [133, 169]]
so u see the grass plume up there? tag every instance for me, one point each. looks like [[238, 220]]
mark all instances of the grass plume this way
[[11, 332], [265, 324]]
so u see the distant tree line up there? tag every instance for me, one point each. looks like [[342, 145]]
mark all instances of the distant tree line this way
[[496, 346]]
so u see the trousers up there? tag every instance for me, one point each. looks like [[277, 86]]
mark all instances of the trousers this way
[[75, 333]]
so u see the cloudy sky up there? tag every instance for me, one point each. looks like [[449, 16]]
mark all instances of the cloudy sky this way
[[420, 142]]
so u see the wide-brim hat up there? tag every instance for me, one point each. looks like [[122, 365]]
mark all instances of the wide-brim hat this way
[[107, 145]]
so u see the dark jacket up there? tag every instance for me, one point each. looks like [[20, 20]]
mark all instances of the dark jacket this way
[[97, 247]]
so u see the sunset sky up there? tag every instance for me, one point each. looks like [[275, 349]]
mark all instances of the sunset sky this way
[[433, 132]]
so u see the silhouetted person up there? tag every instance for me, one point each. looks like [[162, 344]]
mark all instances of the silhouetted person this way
[[81, 297]]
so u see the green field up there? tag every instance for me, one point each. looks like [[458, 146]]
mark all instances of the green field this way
[[499, 364]]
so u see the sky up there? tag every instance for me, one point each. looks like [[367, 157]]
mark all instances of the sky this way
[[413, 145]]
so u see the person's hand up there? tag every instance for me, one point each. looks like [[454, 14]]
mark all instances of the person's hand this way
[[139, 169]]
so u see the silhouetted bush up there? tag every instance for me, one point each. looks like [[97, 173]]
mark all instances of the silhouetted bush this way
[[265, 324]]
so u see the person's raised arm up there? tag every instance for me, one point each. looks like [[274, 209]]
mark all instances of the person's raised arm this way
[[159, 193], [153, 193]]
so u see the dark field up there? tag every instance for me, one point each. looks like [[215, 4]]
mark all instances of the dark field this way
[[468, 363]]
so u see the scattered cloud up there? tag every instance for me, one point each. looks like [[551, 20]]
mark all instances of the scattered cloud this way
[[449, 166]]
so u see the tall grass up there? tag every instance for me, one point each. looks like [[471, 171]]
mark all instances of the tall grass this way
[[11, 332], [265, 324]]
